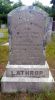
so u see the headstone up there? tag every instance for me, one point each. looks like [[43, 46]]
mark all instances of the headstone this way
[[1, 35], [27, 38], [53, 26], [3, 26], [48, 29], [27, 64]]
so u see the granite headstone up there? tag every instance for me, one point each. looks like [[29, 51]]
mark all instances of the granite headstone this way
[[27, 69], [27, 31]]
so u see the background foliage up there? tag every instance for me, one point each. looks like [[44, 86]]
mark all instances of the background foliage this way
[[6, 6]]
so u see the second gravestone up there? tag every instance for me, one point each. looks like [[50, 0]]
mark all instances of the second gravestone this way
[[27, 68]]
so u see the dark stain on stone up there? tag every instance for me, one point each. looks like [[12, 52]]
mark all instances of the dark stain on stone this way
[[19, 18], [29, 11], [31, 23], [17, 32], [28, 28], [25, 49]]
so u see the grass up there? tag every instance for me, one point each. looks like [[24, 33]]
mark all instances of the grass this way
[[50, 52], [48, 95], [5, 38], [4, 52]]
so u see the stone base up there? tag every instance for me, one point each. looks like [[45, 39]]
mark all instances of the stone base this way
[[24, 78], [24, 84], [36, 71]]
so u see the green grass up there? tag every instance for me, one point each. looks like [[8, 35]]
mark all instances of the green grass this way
[[29, 96], [5, 38], [4, 51], [50, 52]]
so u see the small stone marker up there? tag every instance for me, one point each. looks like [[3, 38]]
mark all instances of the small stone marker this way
[[27, 68], [3, 26], [1, 35]]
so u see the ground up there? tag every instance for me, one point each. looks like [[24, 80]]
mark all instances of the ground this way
[[29, 96], [5, 39], [50, 56], [3, 51]]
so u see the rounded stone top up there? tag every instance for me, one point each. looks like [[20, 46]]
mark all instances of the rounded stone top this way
[[28, 8]]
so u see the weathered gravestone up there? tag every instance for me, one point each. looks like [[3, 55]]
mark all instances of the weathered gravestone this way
[[27, 68], [1, 35]]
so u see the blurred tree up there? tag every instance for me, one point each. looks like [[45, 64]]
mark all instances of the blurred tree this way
[[5, 7], [53, 14], [53, 8], [18, 4], [38, 4], [53, 2], [45, 8]]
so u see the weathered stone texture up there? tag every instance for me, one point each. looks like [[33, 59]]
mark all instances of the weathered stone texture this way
[[27, 31]]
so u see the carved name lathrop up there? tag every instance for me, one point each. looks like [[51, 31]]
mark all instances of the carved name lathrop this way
[[27, 73]]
